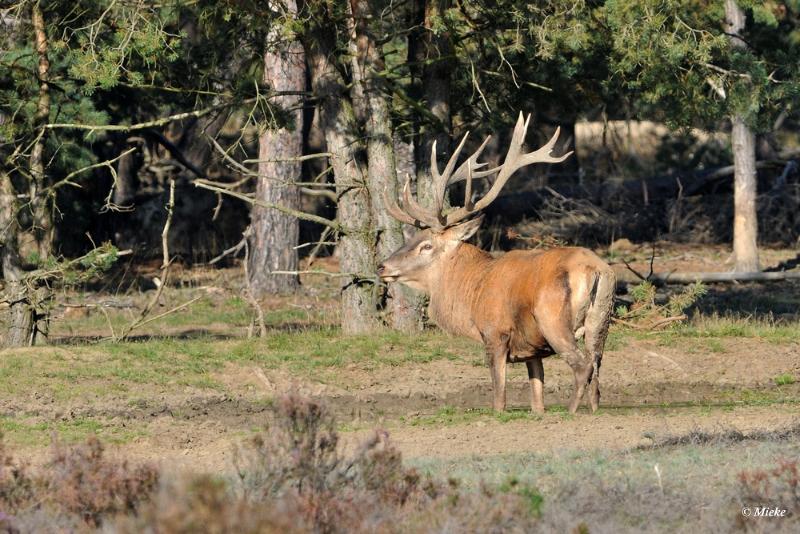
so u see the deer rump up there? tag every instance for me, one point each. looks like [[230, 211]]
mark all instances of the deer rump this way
[[523, 298]]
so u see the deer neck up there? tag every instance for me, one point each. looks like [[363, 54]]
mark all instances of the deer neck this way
[[456, 287]]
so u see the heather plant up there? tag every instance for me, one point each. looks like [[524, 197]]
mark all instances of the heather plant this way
[[292, 478], [776, 488], [82, 481]]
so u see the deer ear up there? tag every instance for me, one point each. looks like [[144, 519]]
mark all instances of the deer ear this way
[[463, 231]]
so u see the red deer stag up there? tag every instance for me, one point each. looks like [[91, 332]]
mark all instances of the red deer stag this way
[[524, 305]]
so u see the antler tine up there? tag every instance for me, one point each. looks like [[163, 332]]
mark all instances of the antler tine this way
[[471, 164], [395, 211], [429, 218], [514, 160], [468, 187], [542, 155], [441, 181]]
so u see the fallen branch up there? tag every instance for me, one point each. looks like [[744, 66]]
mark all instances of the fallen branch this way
[[650, 326], [668, 320], [160, 315], [690, 278]]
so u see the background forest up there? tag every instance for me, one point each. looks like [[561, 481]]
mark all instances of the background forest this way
[[286, 122]]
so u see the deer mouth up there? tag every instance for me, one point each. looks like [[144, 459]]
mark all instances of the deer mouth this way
[[390, 277]]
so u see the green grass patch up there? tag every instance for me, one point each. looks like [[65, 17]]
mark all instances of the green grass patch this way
[[108, 367], [785, 379], [41, 433], [712, 329]]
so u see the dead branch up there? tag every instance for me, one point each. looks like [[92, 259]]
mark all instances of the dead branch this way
[[161, 282], [360, 276], [233, 250], [636, 273], [668, 320], [107, 163], [249, 174], [143, 125], [160, 315], [313, 256], [330, 195], [655, 325], [220, 188]]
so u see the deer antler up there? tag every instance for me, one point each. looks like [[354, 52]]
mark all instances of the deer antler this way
[[411, 211]]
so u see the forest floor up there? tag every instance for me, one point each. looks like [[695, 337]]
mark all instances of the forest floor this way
[[185, 390]]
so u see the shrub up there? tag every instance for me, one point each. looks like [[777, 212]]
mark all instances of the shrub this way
[[16, 485], [81, 481]]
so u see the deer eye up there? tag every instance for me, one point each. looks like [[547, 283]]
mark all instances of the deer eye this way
[[426, 246]]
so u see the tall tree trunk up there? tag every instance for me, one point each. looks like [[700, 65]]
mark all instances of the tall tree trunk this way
[[357, 243], [743, 142], [274, 235], [40, 201], [435, 53], [402, 304], [21, 323]]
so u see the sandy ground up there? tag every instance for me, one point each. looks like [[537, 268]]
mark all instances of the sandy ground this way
[[648, 391]]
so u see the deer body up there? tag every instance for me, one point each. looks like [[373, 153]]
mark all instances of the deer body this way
[[524, 305]]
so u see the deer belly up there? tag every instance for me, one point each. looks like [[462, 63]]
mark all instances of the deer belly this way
[[526, 345]]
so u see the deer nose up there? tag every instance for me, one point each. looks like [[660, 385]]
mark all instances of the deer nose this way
[[381, 268]]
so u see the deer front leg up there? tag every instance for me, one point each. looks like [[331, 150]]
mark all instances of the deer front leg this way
[[536, 378], [497, 355]]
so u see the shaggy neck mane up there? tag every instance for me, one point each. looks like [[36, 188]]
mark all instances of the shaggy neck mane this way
[[458, 285]]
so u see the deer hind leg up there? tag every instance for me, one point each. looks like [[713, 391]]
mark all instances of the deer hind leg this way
[[560, 336], [536, 378], [497, 356], [582, 367]]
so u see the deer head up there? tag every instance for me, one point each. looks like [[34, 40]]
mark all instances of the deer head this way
[[416, 263]]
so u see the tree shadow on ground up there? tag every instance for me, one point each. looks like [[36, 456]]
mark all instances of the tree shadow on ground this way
[[181, 335], [778, 300]]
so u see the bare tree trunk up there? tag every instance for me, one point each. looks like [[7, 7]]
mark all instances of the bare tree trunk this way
[[743, 141], [125, 188], [402, 304], [275, 234], [745, 219], [40, 202], [434, 52], [21, 322], [357, 243]]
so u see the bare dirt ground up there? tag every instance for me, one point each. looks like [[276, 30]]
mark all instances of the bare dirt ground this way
[[438, 409]]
